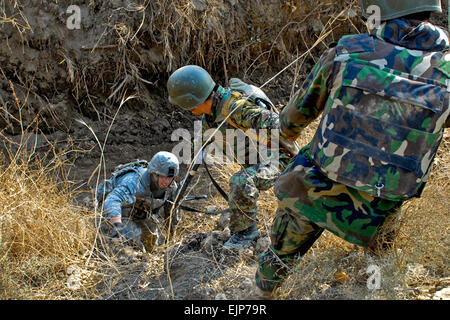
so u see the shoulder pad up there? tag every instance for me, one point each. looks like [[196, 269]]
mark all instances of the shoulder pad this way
[[355, 43]]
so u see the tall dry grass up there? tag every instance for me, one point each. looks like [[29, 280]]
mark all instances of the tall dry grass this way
[[42, 232]]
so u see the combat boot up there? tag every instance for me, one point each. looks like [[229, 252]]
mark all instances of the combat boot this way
[[242, 239]]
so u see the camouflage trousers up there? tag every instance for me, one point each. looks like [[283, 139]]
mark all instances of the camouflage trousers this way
[[308, 204], [154, 225], [244, 191]]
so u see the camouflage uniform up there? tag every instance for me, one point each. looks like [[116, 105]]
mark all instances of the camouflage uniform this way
[[246, 183], [136, 196], [385, 101]]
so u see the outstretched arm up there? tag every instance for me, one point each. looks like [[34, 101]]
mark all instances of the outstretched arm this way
[[309, 101], [122, 195]]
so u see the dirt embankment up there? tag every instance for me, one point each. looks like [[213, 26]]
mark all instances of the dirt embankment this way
[[67, 60]]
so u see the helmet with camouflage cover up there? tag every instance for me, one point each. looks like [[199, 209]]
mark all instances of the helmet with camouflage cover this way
[[189, 86], [391, 9], [164, 163]]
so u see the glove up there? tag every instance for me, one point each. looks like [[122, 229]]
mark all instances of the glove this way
[[129, 232]]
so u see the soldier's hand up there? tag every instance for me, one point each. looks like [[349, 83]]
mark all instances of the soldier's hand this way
[[129, 232]]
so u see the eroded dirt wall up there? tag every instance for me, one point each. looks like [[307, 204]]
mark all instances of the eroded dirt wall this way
[[60, 62]]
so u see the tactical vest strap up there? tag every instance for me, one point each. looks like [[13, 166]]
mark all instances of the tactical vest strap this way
[[106, 186], [226, 110], [125, 168]]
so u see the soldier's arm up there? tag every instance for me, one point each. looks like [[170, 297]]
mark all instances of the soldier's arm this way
[[309, 101], [123, 194], [250, 116]]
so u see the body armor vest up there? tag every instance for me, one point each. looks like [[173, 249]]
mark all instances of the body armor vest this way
[[382, 123]]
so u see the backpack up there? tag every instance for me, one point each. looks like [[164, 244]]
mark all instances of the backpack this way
[[107, 185], [253, 93]]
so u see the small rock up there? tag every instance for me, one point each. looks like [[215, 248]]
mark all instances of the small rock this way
[[74, 282], [443, 294], [247, 284], [221, 296], [262, 245], [72, 269], [226, 233], [224, 220], [211, 208]]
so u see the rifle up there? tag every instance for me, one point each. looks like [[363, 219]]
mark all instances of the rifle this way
[[184, 184], [199, 197]]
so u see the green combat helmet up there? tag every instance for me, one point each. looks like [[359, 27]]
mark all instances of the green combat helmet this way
[[391, 9], [189, 87]]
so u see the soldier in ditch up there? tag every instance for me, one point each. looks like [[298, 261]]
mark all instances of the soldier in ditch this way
[[137, 197], [192, 88], [384, 99]]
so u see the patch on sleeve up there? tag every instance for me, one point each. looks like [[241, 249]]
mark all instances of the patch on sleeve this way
[[355, 43]]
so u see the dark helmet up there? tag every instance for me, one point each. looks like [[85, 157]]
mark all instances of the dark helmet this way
[[189, 87], [391, 9]]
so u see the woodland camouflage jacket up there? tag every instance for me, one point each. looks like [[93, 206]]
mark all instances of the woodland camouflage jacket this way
[[385, 102], [243, 114]]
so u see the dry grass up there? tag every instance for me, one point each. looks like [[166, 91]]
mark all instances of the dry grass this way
[[42, 232], [46, 241]]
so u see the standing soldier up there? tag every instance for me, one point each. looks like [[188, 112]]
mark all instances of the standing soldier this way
[[192, 88], [385, 103]]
